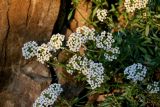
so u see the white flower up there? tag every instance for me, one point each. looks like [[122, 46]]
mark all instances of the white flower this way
[[153, 88], [43, 53], [132, 5], [87, 33], [50, 47], [74, 42], [110, 57], [74, 64], [56, 41], [102, 14], [29, 49], [105, 41], [48, 96], [94, 72], [136, 72]]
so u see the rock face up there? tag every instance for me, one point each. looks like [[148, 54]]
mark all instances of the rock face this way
[[26, 85], [21, 21], [82, 14]]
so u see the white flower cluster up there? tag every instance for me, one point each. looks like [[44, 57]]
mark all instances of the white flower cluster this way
[[132, 5], [94, 72], [105, 41], [56, 41], [136, 72], [74, 64], [74, 42], [80, 37], [48, 96], [87, 33], [29, 49], [109, 57], [43, 53], [153, 88], [101, 14]]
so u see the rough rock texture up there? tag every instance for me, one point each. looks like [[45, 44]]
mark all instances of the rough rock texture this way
[[26, 85], [82, 14], [22, 21]]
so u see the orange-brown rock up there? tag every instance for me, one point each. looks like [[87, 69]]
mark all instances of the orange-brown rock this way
[[82, 13], [26, 85], [21, 21]]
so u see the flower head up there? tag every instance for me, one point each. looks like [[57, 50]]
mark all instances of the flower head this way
[[87, 33], [136, 72], [43, 53], [132, 5], [105, 41], [94, 72], [74, 64], [74, 42], [29, 49], [153, 88], [102, 14], [48, 96], [56, 41]]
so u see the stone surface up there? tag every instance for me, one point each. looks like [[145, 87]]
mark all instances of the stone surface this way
[[21, 81], [22, 21], [82, 14], [26, 85]]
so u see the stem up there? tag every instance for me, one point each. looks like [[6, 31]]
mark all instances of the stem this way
[[116, 101], [57, 64], [68, 50], [92, 50]]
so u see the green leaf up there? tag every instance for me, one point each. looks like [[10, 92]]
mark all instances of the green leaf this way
[[113, 9], [143, 49], [147, 30], [70, 14], [94, 12], [95, 23], [157, 16]]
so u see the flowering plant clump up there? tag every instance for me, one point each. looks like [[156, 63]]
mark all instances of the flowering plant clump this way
[[48, 96], [136, 72], [95, 74], [93, 71], [115, 59]]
